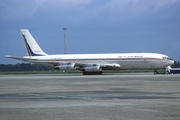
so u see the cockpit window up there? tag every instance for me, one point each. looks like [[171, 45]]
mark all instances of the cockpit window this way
[[167, 58], [170, 58]]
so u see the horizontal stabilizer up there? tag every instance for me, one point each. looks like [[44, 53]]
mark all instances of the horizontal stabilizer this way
[[19, 58]]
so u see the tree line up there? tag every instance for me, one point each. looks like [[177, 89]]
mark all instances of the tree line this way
[[38, 67], [24, 67]]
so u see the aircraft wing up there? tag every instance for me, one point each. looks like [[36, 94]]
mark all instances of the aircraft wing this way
[[104, 66], [100, 64]]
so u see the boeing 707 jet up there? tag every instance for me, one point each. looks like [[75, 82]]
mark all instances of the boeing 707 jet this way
[[91, 63]]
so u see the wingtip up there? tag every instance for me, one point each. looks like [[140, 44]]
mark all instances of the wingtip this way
[[7, 56]]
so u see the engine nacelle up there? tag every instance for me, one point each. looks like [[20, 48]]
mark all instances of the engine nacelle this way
[[93, 69], [65, 67]]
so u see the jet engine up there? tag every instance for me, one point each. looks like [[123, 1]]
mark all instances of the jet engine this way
[[93, 69], [65, 67]]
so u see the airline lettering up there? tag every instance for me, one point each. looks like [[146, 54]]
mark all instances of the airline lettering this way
[[130, 56]]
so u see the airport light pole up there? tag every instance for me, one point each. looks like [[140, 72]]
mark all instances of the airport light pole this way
[[64, 39]]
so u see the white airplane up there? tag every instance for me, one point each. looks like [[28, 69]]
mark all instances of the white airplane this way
[[92, 63]]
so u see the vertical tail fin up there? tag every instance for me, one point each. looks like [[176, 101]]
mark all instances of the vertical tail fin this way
[[32, 47]]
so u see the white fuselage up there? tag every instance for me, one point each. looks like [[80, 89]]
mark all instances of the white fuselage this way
[[125, 60]]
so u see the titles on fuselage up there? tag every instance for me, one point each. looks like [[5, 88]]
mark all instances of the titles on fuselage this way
[[131, 56]]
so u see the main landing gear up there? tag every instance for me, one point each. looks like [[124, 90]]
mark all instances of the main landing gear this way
[[92, 73]]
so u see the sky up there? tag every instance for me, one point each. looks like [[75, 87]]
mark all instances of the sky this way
[[93, 26]]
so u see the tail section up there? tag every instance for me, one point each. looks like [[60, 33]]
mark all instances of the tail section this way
[[32, 47]]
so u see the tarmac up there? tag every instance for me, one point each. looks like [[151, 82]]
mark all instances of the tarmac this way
[[132, 96]]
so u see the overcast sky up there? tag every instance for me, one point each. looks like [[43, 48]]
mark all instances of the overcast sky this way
[[94, 26]]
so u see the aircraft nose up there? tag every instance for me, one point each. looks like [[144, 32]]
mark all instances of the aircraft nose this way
[[172, 62]]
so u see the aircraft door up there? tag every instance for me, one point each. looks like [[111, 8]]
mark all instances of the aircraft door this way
[[145, 60]]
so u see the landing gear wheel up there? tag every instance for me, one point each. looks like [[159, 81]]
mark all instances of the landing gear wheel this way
[[92, 73]]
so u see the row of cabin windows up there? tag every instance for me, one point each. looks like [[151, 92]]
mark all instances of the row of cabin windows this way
[[96, 59]]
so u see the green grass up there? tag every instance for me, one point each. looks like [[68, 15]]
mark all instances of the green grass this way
[[34, 72]]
